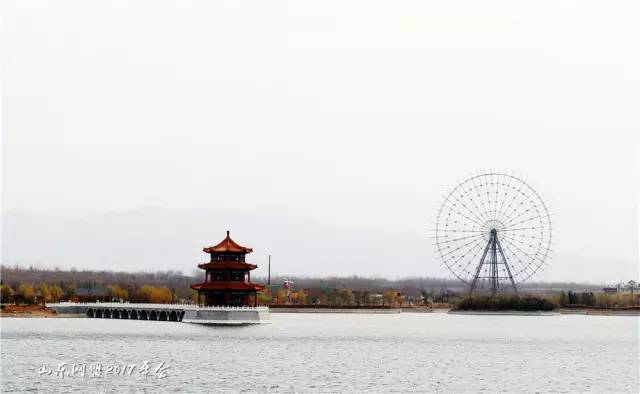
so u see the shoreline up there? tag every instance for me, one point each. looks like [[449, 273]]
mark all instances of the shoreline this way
[[558, 312], [338, 310], [505, 313], [42, 316], [38, 311], [600, 312]]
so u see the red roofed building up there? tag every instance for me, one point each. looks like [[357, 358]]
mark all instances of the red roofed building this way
[[228, 276]]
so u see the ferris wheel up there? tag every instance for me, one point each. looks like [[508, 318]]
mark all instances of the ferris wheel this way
[[493, 231]]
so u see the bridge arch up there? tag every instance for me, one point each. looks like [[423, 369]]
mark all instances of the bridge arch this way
[[116, 312]]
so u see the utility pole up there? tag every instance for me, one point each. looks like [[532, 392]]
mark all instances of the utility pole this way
[[269, 273]]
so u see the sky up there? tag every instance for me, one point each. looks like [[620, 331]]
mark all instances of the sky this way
[[323, 133]]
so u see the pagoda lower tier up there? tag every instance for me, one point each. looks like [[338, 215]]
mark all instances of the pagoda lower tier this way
[[227, 293]]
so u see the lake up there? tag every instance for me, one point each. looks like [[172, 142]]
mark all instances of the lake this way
[[432, 352]]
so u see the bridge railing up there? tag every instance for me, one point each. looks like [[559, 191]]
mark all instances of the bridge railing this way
[[126, 305]]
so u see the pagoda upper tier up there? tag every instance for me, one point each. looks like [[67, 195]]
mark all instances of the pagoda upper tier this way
[[227, 246]]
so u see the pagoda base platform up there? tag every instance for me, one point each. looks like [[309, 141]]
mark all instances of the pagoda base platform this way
[[185, 313], [228, 315]]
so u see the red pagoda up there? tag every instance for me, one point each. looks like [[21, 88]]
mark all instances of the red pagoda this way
[[228, 276]]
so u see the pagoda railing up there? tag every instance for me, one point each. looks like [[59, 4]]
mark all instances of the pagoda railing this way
[[227, 257]]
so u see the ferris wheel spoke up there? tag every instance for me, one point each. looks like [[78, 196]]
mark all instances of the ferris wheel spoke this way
[[456, 249], [506, 194], [508, 209], [486, 212], [473, 258], [498, 183], [534, 226], [526, 216], [469, 190], [525, 240], [444, 255], [463, 231], [523, 252], [534, 217], [454, 208], [518, 210], [524, 267], [475, 245], [532, 237], [521, 229], [539, 218], [478, 213], [489, 189], [486, 191], [519, 197], [524, 244], [528, 205], [456, 239], [519, 254], [518, 268], [492, 185], [474, 214], [532, 257]]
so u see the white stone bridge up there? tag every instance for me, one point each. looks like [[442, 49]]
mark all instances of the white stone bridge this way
[[187, 313]]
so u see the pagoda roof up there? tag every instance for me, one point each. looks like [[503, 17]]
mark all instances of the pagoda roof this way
[[228, 285], [227, 246], [230, 265]]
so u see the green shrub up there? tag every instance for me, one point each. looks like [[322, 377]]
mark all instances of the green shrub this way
[[504, 303]]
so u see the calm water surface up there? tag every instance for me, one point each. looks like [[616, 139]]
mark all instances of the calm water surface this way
[[332, 353]]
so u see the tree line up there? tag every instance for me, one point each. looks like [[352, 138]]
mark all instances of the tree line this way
[[334, 297], [26, 293], [34, 285], [595, 300]]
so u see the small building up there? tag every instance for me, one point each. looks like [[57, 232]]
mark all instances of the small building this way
[[91, 294], [227, 276]]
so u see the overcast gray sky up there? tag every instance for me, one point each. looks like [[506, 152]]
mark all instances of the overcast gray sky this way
[[324, 133]]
